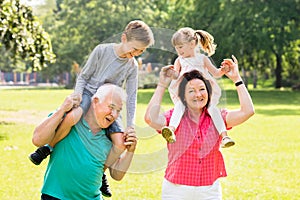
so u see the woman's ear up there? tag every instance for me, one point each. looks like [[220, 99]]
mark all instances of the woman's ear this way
[[123, 38]]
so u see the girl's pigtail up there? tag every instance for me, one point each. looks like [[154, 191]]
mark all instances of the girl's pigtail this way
[[206, 41]]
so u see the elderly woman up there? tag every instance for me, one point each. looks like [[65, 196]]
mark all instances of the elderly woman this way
[[195, 162]]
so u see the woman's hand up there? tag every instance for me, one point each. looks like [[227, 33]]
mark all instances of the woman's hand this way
[[166, 75], [231, 66]]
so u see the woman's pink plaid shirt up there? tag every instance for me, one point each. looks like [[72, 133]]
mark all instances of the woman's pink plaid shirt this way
[[195, 159]]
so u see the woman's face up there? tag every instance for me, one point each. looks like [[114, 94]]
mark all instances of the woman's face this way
[[196, 95]]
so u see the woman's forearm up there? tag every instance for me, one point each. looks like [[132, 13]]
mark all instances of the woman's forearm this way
[[152, 115]]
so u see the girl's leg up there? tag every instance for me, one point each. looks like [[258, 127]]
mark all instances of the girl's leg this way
[[218, 121], [168, 131], [177, 114]]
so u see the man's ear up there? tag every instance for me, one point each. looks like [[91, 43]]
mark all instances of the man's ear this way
[[96, 100]]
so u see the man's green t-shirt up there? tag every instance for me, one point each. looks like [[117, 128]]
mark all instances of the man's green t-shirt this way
[[76, 164]]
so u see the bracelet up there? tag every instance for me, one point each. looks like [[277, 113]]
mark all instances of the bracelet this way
[[239, 83], [161, 85]]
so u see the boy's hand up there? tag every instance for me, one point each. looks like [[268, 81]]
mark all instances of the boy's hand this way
[[77, 98]]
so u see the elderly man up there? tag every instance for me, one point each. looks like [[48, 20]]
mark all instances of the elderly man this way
[[76, 165]]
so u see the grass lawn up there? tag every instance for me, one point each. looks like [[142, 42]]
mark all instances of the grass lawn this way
[[264, 163]]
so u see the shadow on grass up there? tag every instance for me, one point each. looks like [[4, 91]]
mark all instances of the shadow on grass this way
[[34, 88], [278, 112], [3, 136]]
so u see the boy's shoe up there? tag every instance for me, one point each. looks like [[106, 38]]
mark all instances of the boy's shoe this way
[[105, 190], [168, 134], [227, 142], [40, 154]]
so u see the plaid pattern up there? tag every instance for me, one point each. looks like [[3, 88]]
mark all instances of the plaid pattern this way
[[195, 159]]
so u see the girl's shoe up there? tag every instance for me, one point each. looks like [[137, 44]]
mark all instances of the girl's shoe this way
[[227, 142], [168, 134]]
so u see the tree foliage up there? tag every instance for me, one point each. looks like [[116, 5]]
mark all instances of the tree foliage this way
[[263, 34], [22, 38]]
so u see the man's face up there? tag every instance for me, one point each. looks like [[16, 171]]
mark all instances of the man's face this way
[[108, 109]]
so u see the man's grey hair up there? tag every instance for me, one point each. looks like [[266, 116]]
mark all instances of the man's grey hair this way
[[109, 88]]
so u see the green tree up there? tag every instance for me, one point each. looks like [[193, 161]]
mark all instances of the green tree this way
[[22, 38], [260, 27]]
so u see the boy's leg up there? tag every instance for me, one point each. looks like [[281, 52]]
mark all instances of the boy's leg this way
[[115, 133], [105, 190], [42, 152], [72, 118]]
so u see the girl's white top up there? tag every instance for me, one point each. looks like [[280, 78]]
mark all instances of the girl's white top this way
[[194, 63]]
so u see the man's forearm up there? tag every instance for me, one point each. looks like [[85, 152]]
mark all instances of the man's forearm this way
[[44, 133], [119, 168]]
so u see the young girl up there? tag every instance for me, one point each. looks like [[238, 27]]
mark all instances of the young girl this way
[[187, 43], [108, 63]]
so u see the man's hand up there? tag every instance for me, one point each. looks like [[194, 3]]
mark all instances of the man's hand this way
[[130, 139], [73, 100]]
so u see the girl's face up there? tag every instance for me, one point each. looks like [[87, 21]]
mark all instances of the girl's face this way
[[132, 48], [196, 95], [186, 50]]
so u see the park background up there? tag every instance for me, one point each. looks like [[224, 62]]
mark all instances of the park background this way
[[54, 38]]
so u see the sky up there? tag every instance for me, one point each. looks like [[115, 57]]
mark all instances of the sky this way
[[32, 2]]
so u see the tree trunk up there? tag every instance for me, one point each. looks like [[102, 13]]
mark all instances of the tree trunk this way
[[278, 71], [254, 79]]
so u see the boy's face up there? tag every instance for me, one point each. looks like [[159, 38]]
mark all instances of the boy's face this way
[[132, 48]]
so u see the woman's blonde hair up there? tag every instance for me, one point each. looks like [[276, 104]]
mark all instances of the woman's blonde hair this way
[[201, 37], [139, 31]]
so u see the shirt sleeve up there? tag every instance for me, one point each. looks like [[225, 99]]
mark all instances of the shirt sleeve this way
[[88, 70], [131, 90]]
